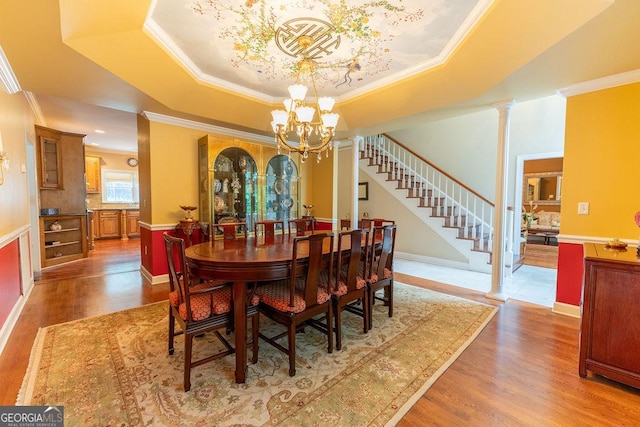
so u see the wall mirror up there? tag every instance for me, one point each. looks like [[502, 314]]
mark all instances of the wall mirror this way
[[543, 188]]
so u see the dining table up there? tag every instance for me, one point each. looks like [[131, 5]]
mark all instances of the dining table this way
[[242, 262]]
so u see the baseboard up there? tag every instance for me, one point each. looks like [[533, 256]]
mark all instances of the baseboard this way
[[12, 319], [154, 280], [566, 309], [433, 261]]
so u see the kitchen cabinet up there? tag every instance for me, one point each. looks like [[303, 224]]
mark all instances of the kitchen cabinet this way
[[50, 162], [610, 330], [108, 224], [116, 223], [92, 171], [132, 225], [63, 238]]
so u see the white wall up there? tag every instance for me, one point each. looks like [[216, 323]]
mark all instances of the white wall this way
[[465, 147]]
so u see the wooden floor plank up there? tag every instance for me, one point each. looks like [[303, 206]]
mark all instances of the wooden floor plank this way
[[521, 370]]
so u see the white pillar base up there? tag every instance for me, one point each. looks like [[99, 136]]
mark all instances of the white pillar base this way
[[498, 296]]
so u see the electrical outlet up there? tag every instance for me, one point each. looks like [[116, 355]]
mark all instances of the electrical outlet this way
[[583, 208]]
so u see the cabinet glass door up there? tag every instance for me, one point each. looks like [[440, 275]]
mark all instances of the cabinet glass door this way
[[281, 189], [235, 187]]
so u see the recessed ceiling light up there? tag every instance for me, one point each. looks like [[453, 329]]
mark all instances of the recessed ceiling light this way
[[95, 144], [99, 131]]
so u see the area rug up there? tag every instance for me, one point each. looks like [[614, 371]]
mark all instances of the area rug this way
[[115, 370]]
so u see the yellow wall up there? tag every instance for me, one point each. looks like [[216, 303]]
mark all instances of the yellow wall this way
[[173, 178], [602, 155], [173, 158], [318, 182], [16, 124]]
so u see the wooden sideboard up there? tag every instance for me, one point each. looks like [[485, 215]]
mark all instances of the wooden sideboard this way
[[610, 331]]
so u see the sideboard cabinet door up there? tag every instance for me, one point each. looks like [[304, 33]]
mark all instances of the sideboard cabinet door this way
[[610, 331]]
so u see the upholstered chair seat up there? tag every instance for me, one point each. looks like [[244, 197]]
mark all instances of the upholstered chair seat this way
[[276, 295], [296, 301]]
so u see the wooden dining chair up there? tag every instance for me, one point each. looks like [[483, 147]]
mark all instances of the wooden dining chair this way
[[199, 308], [365, 223], [231, 230], [379, 222], [268, 228], [301, 226], [348, 289], [380, 267], [293, 302]]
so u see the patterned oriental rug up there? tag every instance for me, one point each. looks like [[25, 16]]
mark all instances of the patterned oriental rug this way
[[115, 369]]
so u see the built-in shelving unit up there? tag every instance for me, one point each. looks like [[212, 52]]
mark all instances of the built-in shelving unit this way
[[64, 242]]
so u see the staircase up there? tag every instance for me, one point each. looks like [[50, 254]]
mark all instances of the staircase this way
[[454, 211]]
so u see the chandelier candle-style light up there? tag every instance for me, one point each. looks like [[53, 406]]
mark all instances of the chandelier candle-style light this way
[[298, 116]]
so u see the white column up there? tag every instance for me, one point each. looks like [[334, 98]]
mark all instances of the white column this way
[[508, 256], [355, 159], [498, 249]]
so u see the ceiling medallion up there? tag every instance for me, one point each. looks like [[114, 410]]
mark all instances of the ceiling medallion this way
[[323, 39]]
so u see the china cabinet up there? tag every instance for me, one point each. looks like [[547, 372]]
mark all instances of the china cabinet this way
[[281, 189], [247, 182], [235, 187]]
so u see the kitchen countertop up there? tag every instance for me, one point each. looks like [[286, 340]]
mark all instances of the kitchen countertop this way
[[115, 209]]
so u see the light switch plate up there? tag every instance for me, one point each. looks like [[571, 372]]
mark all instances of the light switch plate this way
[[583, 208]]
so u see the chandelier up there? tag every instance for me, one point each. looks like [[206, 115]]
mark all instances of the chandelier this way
[[315, 136]]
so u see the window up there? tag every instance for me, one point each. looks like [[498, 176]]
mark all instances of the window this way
[[119, 187]]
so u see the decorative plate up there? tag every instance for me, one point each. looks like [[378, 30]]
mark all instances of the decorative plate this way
[[280, 186], [218, 204], [132, 161], [286, 203]]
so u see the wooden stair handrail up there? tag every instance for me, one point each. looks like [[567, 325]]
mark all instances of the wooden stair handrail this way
[[490, 203]]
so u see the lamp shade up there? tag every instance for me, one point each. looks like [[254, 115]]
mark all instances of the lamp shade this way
[[297, 92], [330, 120], [326, 103], [279, 117], [305, 114], [289, 104]]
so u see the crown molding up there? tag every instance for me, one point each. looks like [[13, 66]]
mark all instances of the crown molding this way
[[169, 45], [8, 79], [161, 37], [190, 124], [465, 28], [602, 83], [35, 107]]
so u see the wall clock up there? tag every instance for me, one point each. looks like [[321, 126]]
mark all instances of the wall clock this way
[[132, 161]]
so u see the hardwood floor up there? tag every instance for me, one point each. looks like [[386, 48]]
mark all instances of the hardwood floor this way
[[521, 370], [541, 256]]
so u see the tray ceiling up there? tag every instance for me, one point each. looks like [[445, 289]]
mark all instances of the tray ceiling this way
[[359, 45]]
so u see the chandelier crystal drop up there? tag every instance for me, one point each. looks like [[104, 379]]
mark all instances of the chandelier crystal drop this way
[[298, 117]]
